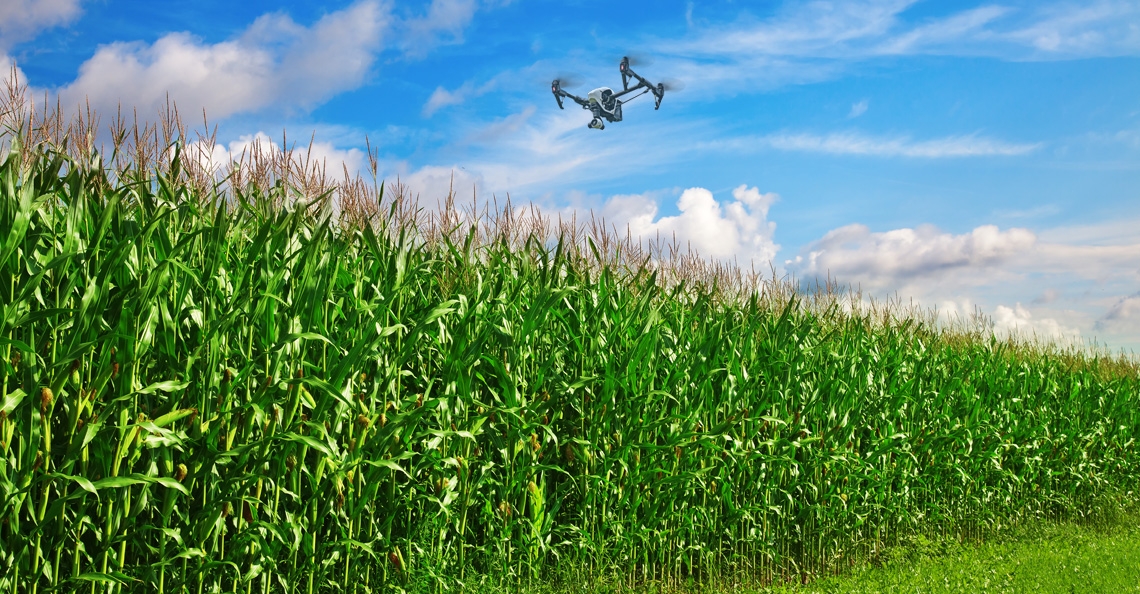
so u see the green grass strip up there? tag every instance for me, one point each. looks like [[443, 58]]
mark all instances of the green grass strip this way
[[1043, 557]]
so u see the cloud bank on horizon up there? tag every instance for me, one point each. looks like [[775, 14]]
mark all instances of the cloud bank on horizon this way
[[961, 154]]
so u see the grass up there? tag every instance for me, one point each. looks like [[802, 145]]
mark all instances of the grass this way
[[1045, 557], [267, 381]]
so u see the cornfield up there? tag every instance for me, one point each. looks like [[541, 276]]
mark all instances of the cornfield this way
[[236, 387]]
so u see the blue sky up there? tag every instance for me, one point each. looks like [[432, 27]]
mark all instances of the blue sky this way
[[961, 154]]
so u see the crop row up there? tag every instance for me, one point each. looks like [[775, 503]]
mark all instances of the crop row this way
[[211, 394]]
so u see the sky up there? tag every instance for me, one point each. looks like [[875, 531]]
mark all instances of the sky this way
[[964, 156]]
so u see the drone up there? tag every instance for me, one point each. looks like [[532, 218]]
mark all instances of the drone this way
[[606, 104]]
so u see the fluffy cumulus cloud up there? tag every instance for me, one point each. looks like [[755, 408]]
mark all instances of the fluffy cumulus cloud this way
[[334, 161], [7, 68], [276, 62], [855, 254], [432, 184], [1062, 284], [21, 20], [738, 229], [1018, 321]]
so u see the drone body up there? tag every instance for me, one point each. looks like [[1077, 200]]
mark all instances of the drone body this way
[[606, 104]]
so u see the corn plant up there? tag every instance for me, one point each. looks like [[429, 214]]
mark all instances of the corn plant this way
[[210, 389]]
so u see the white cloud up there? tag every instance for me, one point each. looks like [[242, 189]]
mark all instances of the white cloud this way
[[1122, 317], [6, 66], [1075, 281], [1128, 308], [852, 143], [737, 229], [275, 63], [1018, 321], [541, 152], [535, 151], [1101, 263], [955, 311], [857, 144], [954, 28], [1129, 137], [333, 160], [722, 231], [431, 185], [815, 40], [858, 109], [443, 24], [1099, 28], [815, 28], [441, 97], [503, 127], [1114, 232], [21, 20], [855, 254]]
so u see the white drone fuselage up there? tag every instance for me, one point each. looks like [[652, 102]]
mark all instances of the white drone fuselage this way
[[603, 97]]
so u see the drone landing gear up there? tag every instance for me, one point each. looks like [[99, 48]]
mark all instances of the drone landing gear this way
[[597, 124]]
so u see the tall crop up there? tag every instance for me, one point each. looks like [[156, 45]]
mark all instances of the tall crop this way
[[232, 393]]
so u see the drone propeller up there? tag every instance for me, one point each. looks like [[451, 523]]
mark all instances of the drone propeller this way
[[563, 81], [639, 60], [672, 84], [568, 80]]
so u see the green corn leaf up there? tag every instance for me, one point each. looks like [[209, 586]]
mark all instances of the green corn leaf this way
[[165, 386], [12, 400]]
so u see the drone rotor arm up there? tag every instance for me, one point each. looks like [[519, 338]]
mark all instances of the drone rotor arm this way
[[559, 94], [629, 90], [580, 101], [658, 90], [627, 72]]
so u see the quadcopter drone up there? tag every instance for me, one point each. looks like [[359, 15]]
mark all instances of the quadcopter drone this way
[[606, 104]]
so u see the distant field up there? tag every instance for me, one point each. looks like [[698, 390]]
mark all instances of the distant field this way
[[281, 383]]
